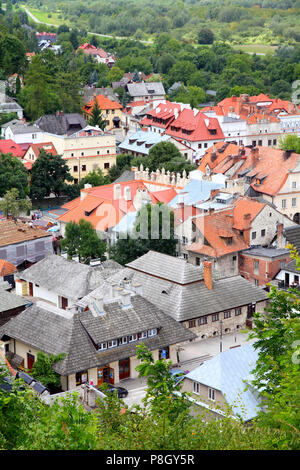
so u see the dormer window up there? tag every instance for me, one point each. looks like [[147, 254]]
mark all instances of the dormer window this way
[[152, 332], [112, 344], [102, 346]]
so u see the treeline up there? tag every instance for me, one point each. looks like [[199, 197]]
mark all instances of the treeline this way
[[237, 21]]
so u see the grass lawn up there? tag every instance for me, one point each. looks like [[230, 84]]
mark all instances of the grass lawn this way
[[43, 16], [256, 48]]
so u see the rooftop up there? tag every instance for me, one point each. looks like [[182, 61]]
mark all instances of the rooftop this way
[[17, 232]]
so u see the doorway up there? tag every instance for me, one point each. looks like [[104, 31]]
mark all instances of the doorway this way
[[105, 374], [30, 289], [124, 369], [30, 361]]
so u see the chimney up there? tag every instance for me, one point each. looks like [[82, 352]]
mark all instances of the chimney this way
[[211, 211], [138, 288], [125, 299], [254, 155], [207, 270], [112, 290], [127, 193], [127, 284], [280, 238], [97, 309], [117, 191]]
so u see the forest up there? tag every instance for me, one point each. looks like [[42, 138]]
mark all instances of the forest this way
[[240, 22]]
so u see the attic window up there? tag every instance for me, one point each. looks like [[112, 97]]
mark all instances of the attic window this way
[[164, 292]]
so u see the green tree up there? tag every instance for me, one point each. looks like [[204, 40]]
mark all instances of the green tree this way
[[94, 178], [12, 54], [12, 205], [205, 36], [96, 118], [49, 175], [82, 240], [290, 142], [153, 230], [13, 174], [39, 94], [42, 369]]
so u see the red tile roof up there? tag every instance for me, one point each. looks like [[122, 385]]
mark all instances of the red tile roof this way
[[17, 232], [101, 209], [103, 102], [47, 146], [10, 146], [270, 166], [6, 268], [195, 126], [221, 229]]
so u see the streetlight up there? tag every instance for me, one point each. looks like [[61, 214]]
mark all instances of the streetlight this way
[[221, 335]]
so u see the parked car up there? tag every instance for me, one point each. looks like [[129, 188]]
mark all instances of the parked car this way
[[121, 391]]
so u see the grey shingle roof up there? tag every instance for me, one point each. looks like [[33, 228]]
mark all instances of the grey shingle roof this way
[[185, 301], [9, 301], [167, 267], [292, 235], [267, 252], [62, 124], [127, 175], [144, 89], [55, 333], [68, 278]]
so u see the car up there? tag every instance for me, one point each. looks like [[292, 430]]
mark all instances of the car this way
[[177, 374], [121, 391]]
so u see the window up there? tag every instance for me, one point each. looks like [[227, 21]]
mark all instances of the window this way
[[112, 344], [283, 204], [143, 335], [205, 145], [254, 143], [269, 143], [256, 266], [82, 154], [72, 154], [185, 256], [263, 232], [274, 142], [199, 146], [102, 346], [211, 394], [123, 340], [227, 314], [152, 332], [197, 261], [294, 184], [75, 168], [238, 311], [256, 282], [294, 202], [192, 323], [196, 387], [184, 240], [107, 151], [202, 321], [253, 235], [215, 317], [260, 142], [106, 166], [98, 152], [83, 167], [164, 353], [132, 338]]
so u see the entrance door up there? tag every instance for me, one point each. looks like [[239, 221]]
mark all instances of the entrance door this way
[[105, 374], [30, 361], [124, 369], [287, 279], [31, 289]]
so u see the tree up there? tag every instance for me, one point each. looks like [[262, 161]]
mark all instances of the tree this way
[[153, 230], [96, 118], [205, 36], [43, 372], [39, 94], [49, 175], [12, 54], [13, 174], [12, 205], [94, 178], [290, 142], [68, 86], [82, 240]]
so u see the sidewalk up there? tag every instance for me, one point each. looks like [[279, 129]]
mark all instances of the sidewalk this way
[[192, 354]]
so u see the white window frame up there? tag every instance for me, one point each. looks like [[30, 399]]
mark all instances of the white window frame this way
[[102, 346], [132, 338], [196, 388], [112, 344], [152, 332], [144, 334], [211, 394]]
